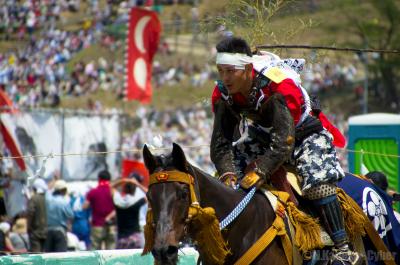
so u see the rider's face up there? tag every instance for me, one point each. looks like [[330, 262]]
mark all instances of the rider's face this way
[[235, 80]]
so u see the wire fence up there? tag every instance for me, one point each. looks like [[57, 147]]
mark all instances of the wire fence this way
[[311, 47], [164, 149]]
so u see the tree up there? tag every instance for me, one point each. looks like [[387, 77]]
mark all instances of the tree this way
[[377, 26], [251, 19]]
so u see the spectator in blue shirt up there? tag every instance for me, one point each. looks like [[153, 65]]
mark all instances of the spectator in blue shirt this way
[[81, 223], [59, 212]]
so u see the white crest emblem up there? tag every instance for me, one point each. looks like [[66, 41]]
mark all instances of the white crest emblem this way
[[374, 207]]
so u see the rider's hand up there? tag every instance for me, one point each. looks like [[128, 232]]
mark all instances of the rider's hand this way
[[250, 180], [229, 179]]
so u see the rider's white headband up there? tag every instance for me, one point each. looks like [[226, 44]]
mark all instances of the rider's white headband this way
[[238, 60]]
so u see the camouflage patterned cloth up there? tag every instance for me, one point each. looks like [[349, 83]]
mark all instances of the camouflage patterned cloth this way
[[246, 152], [315, 159]]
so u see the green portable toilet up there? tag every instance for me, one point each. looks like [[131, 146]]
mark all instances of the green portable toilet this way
[[374, 145]]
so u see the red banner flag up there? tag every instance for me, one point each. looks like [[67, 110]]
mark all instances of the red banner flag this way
[[12, 146], [6, 105], [142, 43], [133, 166]]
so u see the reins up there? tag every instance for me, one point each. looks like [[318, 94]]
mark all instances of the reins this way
[[202, 217], [238, 209]]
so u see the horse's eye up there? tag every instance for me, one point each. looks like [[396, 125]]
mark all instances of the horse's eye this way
[[182, 194]]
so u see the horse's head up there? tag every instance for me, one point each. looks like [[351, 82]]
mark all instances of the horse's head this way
[[169, 202]]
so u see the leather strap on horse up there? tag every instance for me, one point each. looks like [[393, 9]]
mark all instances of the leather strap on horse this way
[[277, 229]]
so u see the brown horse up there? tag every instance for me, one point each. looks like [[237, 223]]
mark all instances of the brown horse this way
[[170, 202]]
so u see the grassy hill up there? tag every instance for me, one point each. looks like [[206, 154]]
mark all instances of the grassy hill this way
[[329, 27], [185, 95]]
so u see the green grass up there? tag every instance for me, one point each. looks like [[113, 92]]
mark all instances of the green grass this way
[[13, 45], [182, 95], [107, 98], [166, 98], [95, 52]]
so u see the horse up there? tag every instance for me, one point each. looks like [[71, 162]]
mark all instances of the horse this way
[[170, 202], [171, 206]]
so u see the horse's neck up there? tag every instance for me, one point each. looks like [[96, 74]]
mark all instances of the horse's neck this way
[[214, 194]]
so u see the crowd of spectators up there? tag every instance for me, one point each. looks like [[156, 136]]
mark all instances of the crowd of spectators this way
[[188, 127], [35, 74], [18, 18], [110, 215], [21, 19], [321, 77], [181, 71]]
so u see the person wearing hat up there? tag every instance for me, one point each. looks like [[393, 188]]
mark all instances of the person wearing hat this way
[[18, 236], [59, 212], [37, 216]]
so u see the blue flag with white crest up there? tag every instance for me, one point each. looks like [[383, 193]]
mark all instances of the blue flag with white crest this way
[[377, 205]]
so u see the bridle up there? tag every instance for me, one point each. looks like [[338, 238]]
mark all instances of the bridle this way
[[181, 177]]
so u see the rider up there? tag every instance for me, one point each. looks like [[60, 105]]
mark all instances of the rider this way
[[263, 117]]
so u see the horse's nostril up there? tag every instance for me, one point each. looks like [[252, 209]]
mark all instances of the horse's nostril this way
[[172, 250], [165, 252], [156, 253]]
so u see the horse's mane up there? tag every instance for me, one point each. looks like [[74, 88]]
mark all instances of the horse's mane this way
[[167, 162], [195, 172]]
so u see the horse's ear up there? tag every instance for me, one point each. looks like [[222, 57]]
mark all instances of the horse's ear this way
[[178, 157], [149, 160]]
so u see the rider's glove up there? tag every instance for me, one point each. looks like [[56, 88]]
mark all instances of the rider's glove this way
[[229, 179], [250, 180]]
